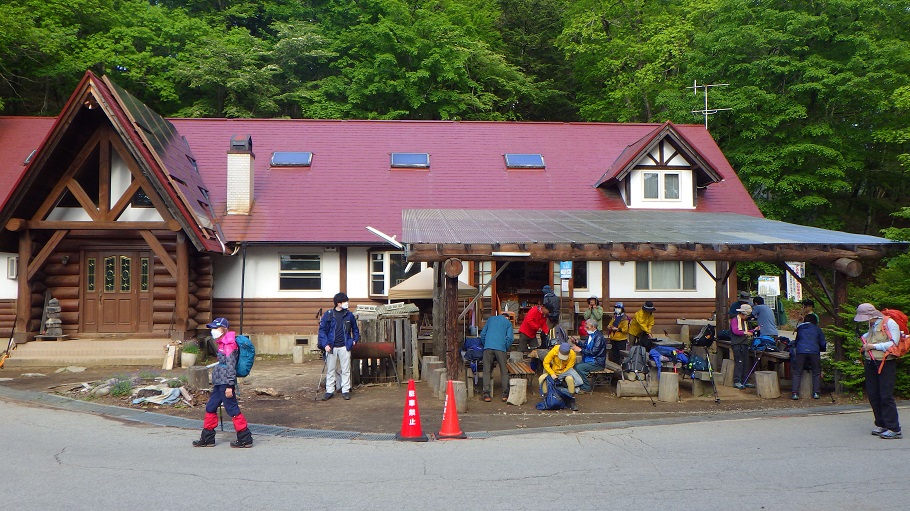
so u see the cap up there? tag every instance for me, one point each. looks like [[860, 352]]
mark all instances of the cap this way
[[648, 306], [619, 305], [744, 295], [339, 298], [547, 289], [746, 308], [866, 312], [564, 350], [218, 323]]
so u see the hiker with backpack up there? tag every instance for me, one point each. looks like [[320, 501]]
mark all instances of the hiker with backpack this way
[[740, 340], [642, 323], [559, 365], [224, 389], [807, 349], [880, 368], [338, 333], [496, 336], [593, 353]]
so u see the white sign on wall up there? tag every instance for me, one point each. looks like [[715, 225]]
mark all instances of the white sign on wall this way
[[794, 288]]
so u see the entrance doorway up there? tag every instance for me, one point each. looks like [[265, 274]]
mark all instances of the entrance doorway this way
[[116, 292]]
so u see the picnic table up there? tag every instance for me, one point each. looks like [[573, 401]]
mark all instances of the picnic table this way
[[778, 361]]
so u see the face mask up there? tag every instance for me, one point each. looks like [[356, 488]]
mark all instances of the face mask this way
[[617, 311], [344, 305], [216, 333]]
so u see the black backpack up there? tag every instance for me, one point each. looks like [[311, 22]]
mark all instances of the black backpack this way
[[705, 338], [636, 361]]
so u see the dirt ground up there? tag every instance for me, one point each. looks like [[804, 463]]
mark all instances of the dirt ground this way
[[378, 407]]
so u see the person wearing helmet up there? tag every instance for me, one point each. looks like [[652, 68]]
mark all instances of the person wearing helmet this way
[[883, 333], [338, 333]]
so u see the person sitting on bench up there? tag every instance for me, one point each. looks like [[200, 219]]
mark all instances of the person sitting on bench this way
[[593, 353]]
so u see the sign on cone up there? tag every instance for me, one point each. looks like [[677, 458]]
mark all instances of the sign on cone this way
[[410, 421], [450, 427]]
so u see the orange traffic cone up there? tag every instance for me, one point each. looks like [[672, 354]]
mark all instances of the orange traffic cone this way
[[410, 421], [450, 427]]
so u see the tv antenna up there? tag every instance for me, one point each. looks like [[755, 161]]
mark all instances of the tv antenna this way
[[707, 111]]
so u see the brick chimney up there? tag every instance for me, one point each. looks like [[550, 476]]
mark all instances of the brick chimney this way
[[240, 160]]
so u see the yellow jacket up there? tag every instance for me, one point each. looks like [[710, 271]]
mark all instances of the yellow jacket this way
[[554, 365], [642, 321], [623, 333]]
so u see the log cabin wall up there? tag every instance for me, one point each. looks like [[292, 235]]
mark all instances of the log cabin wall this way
[[7, 317], [278, 316], [668, 311]]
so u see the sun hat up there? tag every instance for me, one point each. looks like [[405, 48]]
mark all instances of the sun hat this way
[[649, 307], [867, 312], [564, 350], [744, 295], [745, 308]]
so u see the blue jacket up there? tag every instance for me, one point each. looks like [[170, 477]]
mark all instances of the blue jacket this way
[[594, 349], [809, 339], [327, 330], [497, 334]]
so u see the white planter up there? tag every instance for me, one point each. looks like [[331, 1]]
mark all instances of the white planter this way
[[187, 359]]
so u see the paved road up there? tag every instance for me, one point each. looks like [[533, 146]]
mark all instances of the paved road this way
[[56, 459]]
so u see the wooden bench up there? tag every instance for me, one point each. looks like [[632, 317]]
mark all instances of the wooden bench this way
[[775, 360], [604, 376], [516, 370]]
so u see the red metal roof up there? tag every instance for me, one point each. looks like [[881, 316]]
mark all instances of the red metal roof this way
[[350, 184]]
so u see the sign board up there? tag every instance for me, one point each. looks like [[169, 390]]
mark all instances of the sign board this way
[[794, 288], [565, 270]]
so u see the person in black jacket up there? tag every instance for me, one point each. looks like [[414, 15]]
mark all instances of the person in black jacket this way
[[593, 353], [551, 301], [806, 349]]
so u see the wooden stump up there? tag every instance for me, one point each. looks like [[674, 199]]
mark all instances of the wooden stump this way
[[298, 354], [699, 388], [429, 374], [668, 387], [516, 356], [767, 384], [439, 379], [633, 388], [197, 377], [425, 365], [726, 373], [461, 395], [805, 385], [518, 391]]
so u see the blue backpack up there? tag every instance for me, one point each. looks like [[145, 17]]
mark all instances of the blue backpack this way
[[472, 349], [246, 357], [555, 397], [764, 343]]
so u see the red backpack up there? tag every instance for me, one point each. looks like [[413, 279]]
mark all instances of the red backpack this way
[[902, 345]]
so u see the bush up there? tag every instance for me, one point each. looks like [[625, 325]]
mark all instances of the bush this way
[[191, 348], [122, 388]]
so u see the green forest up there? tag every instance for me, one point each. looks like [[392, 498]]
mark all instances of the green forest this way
[[818, 91]]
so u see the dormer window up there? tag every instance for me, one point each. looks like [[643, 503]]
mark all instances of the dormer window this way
[[660, 185], [410, 161], [516, 161]]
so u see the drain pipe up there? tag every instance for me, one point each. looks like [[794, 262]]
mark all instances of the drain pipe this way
[[242, 282]]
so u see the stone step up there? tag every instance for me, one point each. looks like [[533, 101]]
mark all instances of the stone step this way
[[88, 352]]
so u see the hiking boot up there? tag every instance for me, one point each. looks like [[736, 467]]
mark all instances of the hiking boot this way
[[486, 397], [327, 396], [244, 439], [346, 396], [749, 385], [573, 406], [815, 395], [794, 396], [878, 431], [505, 397], [891, 435], [207, 439], [739, 385]]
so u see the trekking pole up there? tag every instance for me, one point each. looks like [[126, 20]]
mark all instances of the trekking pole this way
[[711, 374], [325, 364], [757, 360], [638, 377]]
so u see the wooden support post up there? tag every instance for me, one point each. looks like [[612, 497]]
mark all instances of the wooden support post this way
[[840, 298], [182, 302], [24, 296], [452, 268]]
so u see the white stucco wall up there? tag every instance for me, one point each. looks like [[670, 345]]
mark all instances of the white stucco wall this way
[[9, 289], [622, 283], [262, 273]]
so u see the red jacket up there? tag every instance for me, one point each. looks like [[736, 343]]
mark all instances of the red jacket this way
[[534, 321]]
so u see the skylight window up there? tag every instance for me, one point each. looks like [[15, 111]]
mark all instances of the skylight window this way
[[524, 161], [410, 160], [292, 159]]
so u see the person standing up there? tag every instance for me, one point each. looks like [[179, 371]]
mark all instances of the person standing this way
[[806, 350], [740, 340], [496, 336], [551, 301], [533, 321], [618, 331], [765, 317], [593, 353], [224, 389], [882, 334], [642, 323], [595, 312], [338, 333], [809, 309], [744, 299]]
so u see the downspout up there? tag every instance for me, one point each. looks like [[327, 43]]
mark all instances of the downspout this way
[[242, 282]]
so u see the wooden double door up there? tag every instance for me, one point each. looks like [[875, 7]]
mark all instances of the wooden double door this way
[[116, 291]]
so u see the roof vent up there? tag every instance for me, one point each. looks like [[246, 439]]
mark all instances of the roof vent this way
[[410, 161], [524, 161], [30, 156], [291, 159], [242, 143]]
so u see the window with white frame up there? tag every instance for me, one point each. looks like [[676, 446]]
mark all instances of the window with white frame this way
[[300, 272], [665, 276], [661, 185], [387, 270], [483, 270]]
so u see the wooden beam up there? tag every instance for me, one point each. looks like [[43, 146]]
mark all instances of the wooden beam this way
[[183, 282], [45, 252], [71, 225], [24, 293], [144, 183], [123, 202], [160, 251], [452, 269], [84, 200], [104, 172], [802, 282], [54, 196]]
